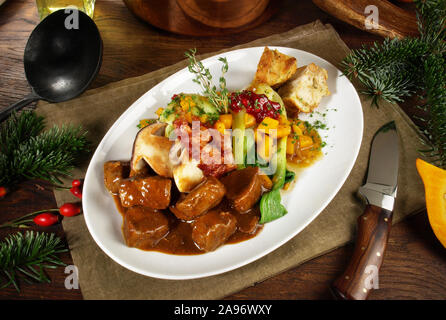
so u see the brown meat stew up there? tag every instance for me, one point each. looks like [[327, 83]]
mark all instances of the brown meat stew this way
[[157, 217]]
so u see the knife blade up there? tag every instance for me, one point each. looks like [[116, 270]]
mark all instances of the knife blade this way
[[379, 192]]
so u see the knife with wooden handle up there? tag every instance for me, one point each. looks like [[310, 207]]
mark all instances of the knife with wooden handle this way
[[393, 21], [362, 273]]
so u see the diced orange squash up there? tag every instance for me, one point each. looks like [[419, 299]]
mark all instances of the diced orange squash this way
[[188, 117], [220, 126], [291, 145], [283, 120], [204, 118], [250, 120], [283, 131], [186, 103], [297, 130], [263, 145], [266, 181], [227, 120], [305, 142], [146, 122], [258, 134], [268, 124], [159, 111]]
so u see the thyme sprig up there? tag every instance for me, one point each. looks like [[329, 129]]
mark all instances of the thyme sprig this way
[[203, 77]]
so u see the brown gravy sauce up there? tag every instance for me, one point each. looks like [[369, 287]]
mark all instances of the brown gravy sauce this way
[[179, 240]]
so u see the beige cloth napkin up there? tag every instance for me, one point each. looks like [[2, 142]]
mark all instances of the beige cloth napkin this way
[[96, 110]]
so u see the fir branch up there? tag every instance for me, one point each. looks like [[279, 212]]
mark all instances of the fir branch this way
[[18, 129], [391, 53], [431, 16], [390, 84], [399, 68], [389, 70], [203, 77], [45, 155], [435, 107], [25, 256]]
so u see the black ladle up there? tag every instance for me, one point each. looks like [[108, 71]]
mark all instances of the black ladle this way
[[60, 62]]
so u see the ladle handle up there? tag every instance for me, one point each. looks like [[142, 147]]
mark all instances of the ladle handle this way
[[18, 105]]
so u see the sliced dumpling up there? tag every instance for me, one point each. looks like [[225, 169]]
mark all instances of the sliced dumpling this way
[[306, 89], [274, 68]]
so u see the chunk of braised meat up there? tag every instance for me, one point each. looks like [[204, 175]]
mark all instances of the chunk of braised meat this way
[[216, 170], [114, 172], [244, 188], [247, 222], [144, 228], [203, 197], [213, 229], [151, 192], [144, 171]]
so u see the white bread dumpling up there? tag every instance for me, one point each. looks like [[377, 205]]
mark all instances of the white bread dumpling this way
[[274, 68], [305, 89]]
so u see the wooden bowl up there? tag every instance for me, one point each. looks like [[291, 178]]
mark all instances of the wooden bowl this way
[[168, 15], [223, 13]]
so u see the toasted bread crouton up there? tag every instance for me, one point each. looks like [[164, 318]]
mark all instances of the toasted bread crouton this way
[[306, 89], [274, 68]]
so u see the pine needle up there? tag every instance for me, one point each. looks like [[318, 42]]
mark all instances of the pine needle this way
[[19, 129], [435, 106], [399, 68], [25, 256]]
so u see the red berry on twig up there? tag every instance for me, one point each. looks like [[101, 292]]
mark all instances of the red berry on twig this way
[[3, 191], [76, 191], [70, 209], [76, 183], [46, 219]]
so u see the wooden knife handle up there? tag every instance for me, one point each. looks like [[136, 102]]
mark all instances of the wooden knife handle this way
[[361, 275], [393, 21]]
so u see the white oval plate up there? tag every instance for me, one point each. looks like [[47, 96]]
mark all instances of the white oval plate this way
[[315, 187]]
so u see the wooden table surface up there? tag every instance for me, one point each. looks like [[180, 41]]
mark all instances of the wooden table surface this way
[[415, 263]]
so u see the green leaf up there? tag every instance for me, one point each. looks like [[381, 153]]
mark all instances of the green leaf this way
[[289, 176], [271, 207]]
